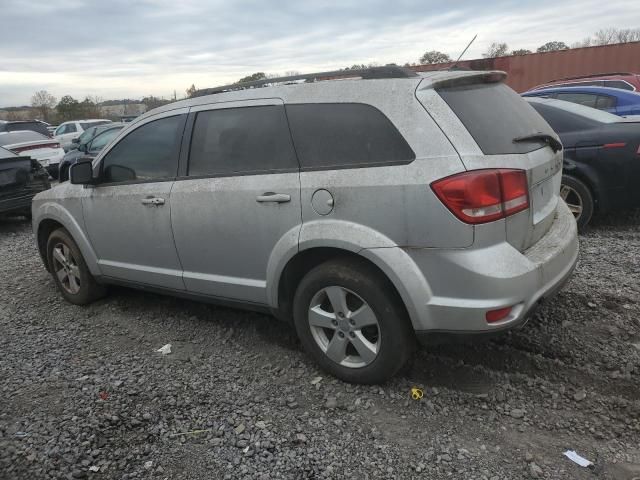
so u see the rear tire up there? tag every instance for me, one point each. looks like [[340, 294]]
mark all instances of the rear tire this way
[[69, 270], [579, 199], [367, 338]]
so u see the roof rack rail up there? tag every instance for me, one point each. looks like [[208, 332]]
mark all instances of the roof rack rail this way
[[388, 71]]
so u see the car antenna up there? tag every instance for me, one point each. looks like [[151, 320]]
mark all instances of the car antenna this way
[[455, 64]]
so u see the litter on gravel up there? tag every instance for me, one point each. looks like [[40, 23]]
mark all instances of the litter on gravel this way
[[165, 350], [574, 457]]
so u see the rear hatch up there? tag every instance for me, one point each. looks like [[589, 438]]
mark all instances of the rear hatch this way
[[491, 126]]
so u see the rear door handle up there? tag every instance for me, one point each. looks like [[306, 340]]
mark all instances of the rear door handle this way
[[273, 197], [153, 201]]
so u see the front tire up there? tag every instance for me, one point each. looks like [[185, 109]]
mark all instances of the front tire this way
[[349, 319], [69, 270], [579, 199]]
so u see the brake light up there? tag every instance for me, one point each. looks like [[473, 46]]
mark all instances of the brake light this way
[[614, 145], [482, 196], [35, 147]]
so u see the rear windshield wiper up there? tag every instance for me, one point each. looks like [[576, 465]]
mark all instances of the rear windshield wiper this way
[[552, 141]]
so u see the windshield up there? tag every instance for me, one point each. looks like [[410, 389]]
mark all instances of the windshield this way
[[19, 137], [101, 140], [86, 136]]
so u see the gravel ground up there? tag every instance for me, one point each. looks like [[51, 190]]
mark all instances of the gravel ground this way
[[83, 393]]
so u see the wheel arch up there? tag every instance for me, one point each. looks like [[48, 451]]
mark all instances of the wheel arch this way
[[54, 217], [302, 262]]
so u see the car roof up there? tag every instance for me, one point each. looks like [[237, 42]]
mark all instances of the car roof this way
[[616, 92], [326, 90]]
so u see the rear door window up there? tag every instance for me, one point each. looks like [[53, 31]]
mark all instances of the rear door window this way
[[495, 115], [345, 135], [586, 99], [605, 102], [241, 140]]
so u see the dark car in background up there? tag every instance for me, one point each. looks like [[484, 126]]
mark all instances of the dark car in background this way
[[612, 100], [601, 157], [21, 178], [89, 144], [32, 125]]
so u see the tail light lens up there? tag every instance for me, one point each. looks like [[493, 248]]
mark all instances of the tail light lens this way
[[35, 147], [482, 196]]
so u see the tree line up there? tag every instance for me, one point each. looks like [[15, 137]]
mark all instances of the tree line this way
[[606, 36]]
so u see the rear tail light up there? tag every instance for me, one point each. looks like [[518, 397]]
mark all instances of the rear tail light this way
[[638, 152], [482, 196], [493, 316], [35, 147]]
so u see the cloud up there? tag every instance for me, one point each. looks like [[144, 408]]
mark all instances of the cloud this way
[[120, 48]]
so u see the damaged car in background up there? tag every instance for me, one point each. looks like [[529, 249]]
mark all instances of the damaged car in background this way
[[21, 178]]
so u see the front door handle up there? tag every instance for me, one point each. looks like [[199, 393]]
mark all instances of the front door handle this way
[[153, 201], [273, 197]]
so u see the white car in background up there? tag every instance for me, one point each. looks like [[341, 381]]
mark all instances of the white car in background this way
[[47, 151], [68, 131]]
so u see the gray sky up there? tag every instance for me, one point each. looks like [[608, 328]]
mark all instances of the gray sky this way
[[132, 48]]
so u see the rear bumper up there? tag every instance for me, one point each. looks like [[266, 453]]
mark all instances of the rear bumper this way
[[464, 284], [20, 199]]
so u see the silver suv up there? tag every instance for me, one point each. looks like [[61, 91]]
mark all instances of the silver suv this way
[[367, 212]]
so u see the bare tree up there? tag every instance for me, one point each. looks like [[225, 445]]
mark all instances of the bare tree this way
[[552, 47], [521, 51], [608, 36], [191, 90], [497, 50], [433, 56], [43, 102]]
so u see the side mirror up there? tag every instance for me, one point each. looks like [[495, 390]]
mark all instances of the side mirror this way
[[82, 147], [76, 140], [81, 173]]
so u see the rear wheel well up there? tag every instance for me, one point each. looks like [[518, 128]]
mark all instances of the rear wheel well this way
[[303, 262], [45, 229]]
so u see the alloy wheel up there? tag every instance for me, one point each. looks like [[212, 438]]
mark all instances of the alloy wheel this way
[[573, 200], [344, 327], [66, 268]]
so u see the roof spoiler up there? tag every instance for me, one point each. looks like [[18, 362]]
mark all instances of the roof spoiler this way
[[446, 79], [388, 71]]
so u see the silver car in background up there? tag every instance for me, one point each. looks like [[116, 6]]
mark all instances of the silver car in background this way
[[368, 212]]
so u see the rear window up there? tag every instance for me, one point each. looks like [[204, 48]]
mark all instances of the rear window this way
[[345, 135], [495, 115], [18, 137], [622, 85], [33, 126]]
